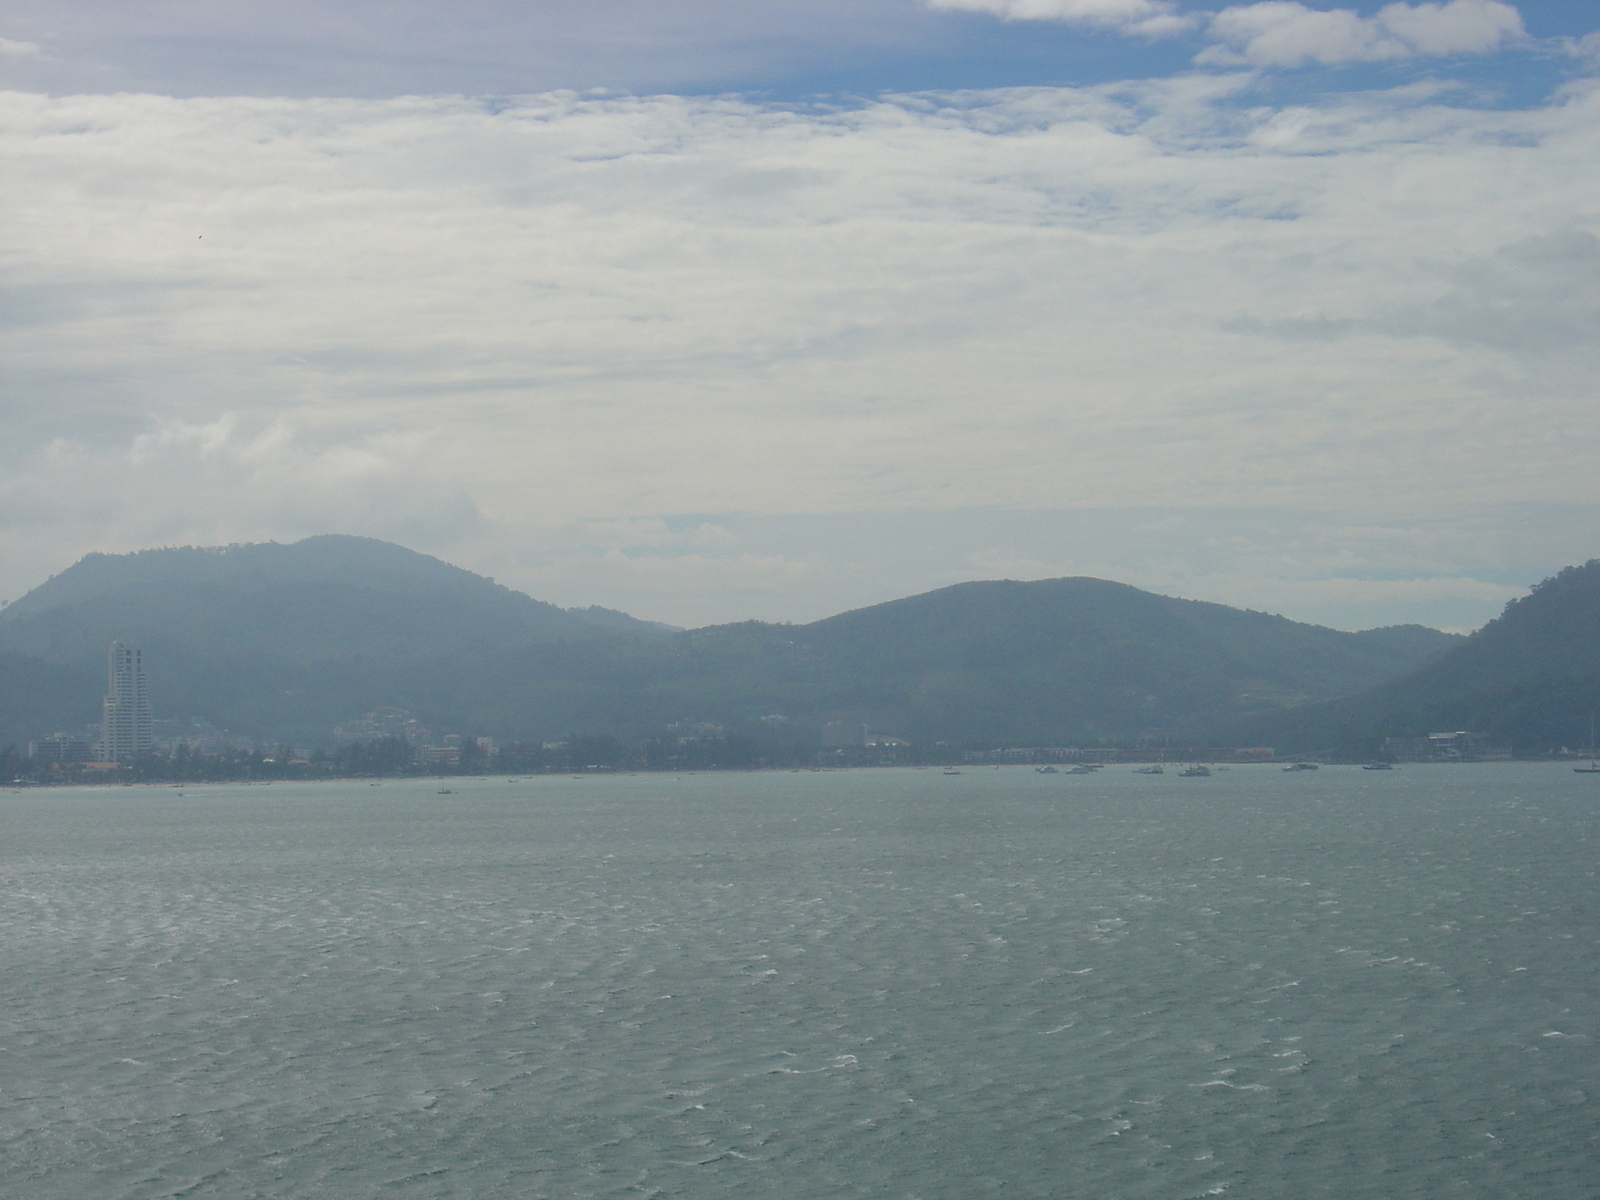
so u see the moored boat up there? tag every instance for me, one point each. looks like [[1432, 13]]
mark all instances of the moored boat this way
[[1594, 764]]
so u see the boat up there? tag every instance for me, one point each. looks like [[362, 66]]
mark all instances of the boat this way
[[1378, 766], [1301, 767], [1081, 771], [445, 792], [951, 771], [1594, 765], [1047, 771], [1194, 771], [1148, 771]]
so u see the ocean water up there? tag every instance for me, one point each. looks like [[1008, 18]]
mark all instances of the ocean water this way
[[891, 983]]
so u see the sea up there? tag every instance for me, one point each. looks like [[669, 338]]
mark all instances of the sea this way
[[888, 982]]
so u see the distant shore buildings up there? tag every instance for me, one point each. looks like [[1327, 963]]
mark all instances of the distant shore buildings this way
[[63, 748], [1459, 745], [385, 723]]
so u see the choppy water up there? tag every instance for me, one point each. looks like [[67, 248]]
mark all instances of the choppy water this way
[[874, 983]]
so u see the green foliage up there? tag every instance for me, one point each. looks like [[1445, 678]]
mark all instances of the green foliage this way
[[385, 756]]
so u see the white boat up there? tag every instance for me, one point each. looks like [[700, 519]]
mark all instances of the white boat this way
[[1594, 764], [1195, 771]]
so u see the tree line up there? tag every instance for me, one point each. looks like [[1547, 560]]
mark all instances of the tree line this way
[[394, 757]]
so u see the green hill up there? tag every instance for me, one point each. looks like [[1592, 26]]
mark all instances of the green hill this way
[[1058, 661], [1530, 677], [267, 639], [288, 641]]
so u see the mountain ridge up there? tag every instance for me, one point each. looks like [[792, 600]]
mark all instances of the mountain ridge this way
[[1530, 677], [291, 639]]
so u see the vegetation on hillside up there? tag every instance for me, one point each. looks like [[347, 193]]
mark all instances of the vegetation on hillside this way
[[1529, 678], [286, 642]]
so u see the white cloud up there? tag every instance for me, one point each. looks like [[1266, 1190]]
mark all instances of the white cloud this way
[[1095, 12], [484, 329], [1141, 18], [1458, 27], [11, 48], [1588, 46], [1286, 33]]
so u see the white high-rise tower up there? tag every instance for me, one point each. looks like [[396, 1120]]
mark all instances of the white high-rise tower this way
[[125, 720]]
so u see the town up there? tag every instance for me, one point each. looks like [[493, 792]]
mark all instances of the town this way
[[129, 745]]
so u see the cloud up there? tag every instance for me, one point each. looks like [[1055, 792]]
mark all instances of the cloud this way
[[529, 334], [163, 485], [1457, 27], [1143, 18], [1354, 571], [11, 48], [1587, 46], [1286, 33], [1537, 300]]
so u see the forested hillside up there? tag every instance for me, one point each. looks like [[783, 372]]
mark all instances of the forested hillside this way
[[1531, 678], [289, 641]]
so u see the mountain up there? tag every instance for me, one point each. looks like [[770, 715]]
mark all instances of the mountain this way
[[264, 638], [1530, 677], [1060, 661], [291, 640]]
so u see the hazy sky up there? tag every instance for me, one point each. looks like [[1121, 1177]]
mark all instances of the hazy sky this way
[[712, 309]]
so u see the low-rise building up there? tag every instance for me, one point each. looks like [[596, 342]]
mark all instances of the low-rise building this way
[[1461, 745], [62, 748]]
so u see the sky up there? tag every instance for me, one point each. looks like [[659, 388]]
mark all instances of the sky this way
[[711, 310]]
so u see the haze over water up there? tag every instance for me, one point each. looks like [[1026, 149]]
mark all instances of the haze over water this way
[[888, 983]]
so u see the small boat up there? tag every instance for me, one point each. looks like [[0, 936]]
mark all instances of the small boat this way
[[1047, 771], [1301, 767], [445, 792], [1378, 766], [1594, 764], [1081, 771], [1148, 771], [951, 771], [1195, 771]]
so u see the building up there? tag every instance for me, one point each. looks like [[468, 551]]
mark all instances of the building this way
[[125, 717], [383, 723], [61, 748], [1455, 746]]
